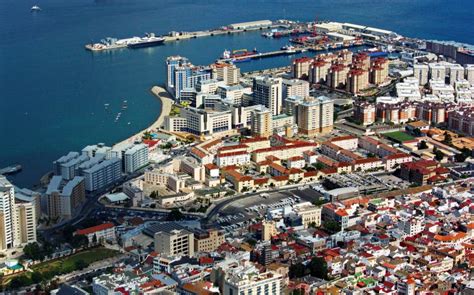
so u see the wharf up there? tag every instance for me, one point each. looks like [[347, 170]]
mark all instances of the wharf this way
[[176, 36], [265, 54]]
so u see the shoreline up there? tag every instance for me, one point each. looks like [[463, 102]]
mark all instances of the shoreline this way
[[166, 103]]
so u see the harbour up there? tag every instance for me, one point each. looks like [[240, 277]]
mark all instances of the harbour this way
[[90, 80], [113, 43]]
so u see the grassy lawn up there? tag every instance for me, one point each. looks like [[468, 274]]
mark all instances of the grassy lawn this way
[[398, 136], [45, 271], [67, 264]]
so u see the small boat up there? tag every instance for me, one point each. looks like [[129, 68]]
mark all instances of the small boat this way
[[289, 49], [35, 8], [124, 105]]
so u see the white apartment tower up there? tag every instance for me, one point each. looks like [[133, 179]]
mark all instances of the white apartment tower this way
[[267, 91], [421, 72], [17, 218], [135, 158]]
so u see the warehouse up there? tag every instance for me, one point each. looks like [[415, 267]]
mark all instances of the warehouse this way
[[251, 25]]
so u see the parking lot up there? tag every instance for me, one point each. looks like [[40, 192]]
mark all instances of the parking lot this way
[[246, 211]]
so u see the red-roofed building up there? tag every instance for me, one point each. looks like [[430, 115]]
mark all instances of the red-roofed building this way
[[295, 162], [212, 170], [152, 144], [283, 152], [423, 172], [101, 232], [239, 157]]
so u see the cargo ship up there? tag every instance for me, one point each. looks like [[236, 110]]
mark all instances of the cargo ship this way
[[240, 55], [148, 41]]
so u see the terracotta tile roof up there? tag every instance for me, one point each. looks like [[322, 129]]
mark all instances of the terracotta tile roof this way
[[232, 154], [296, 158], [449, 238], [397, 156], [210, 144], [253, 139], [198, 153], [233, 147], [341, 138], [238, 176], [285, 147], [93, 229], [211, 166]]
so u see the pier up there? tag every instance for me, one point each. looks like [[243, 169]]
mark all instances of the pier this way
[[176, 36], [265, 54]]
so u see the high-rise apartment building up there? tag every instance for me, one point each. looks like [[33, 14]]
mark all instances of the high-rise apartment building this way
[[267, 91], [314, 115], [64, 197], [295, 87], [228, 73], [135, 157], [17, 218], [261, 122], [421, 72], [174, 241]]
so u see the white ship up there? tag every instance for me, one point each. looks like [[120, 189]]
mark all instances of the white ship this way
[[35, 8]]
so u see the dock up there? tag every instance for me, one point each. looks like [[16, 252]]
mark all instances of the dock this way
[[177, 36], [265, 54]]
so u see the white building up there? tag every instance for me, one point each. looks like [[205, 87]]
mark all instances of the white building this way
[[295, 87], [174, 241], [421, 72], [234, 93], [232, 158], [409, 89], [17, 218], [470, 74], [437, 71], [102, 174], [253, 283], [411, 226], [135, 158], [98, 233], [268, 91], [456, 73]]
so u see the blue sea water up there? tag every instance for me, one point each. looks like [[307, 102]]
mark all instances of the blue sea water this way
[[52, 91]]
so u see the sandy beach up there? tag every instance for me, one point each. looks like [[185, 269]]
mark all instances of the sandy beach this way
[[166, 103]]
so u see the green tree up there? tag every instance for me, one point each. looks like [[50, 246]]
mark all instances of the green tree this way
[[20, 281], [297, 270], [319, 166], [332, 226], [318, 268], [33, 251], [422, 145], [36, 277], [78, 241], [447, 138], [175, 215], [417, 132], [80, 264], [439, 155]]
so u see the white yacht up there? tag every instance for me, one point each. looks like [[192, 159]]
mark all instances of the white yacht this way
[[35, 8]]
